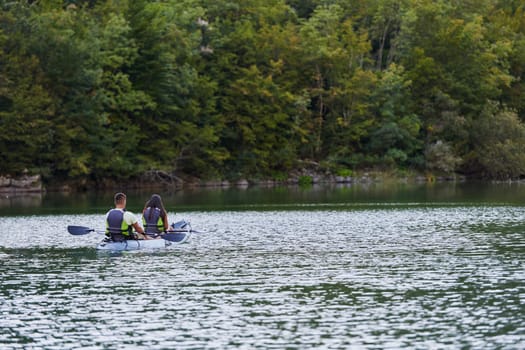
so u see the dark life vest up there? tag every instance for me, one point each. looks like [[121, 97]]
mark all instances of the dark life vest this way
[[116, 226], [152, 223]]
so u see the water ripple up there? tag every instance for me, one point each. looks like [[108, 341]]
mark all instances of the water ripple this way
[[374, 278]]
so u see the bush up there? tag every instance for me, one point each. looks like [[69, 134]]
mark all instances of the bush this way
[[344, 172], [440, 157], [305, 180], [499, 141]]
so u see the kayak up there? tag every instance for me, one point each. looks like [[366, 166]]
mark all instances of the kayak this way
[[132, 244], [182, 232]]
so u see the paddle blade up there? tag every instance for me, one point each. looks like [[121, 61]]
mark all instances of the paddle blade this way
[[175, 237], [79, 230], [180, 225]]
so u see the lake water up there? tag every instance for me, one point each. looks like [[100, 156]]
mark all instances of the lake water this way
[[376, 267]]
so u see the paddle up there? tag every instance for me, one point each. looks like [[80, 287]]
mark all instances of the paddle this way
[[183, 226], [173, 236], [81, 230]]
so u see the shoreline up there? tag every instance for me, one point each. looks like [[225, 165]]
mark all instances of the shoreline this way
[[33, 184]]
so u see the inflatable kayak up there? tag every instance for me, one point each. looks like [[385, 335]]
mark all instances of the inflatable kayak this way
[[181, 232], [157, 243]]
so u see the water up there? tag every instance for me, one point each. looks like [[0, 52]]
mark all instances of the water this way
[[294, 274]]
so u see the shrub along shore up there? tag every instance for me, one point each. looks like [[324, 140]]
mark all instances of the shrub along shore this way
[[33, 184]]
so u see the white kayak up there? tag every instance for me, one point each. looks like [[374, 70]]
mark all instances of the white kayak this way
[[182, 232], [131, 244]]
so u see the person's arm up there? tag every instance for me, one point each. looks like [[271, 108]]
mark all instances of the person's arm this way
[[166, 223], [132, 220], [138, 228]]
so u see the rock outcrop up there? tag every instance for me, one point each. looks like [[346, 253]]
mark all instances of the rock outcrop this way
[[23, 183]]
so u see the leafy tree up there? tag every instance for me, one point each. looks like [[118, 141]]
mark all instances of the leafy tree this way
[[451, 54], [25, 103], [507, 20], [178, 127], [499, 140], [440, 158], [261, 144], [303, 8], [62, 41], [116, 144], [385, 25], [453, 64], [396, 141], [331, 53], [250, 48], [340, 88]]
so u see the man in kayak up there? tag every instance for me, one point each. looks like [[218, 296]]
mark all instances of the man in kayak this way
[[120, 223]]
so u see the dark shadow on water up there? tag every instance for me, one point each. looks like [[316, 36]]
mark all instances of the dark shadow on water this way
[[332, 196]]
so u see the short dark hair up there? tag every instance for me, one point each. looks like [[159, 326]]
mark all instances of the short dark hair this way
[[119, 197]]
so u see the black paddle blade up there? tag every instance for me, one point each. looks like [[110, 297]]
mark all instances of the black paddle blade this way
[[174, 237], [79, 230], [180, 225]]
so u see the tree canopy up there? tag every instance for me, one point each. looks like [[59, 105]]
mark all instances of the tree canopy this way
[[230, 89]]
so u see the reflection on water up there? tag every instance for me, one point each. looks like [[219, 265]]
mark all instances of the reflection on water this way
[[417, 277], [20, 200], [335, 196]]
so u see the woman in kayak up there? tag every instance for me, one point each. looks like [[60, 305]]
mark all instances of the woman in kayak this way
[[155, 217]]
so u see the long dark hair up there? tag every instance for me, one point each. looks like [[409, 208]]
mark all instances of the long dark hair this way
[[155, 202]]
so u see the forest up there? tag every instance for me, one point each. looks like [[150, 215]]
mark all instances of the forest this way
[[229, 89]]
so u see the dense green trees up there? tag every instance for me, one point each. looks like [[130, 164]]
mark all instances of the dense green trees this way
[[229, 89]]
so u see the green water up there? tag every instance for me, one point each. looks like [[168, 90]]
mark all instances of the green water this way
[[361, 267], [278, 198]]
